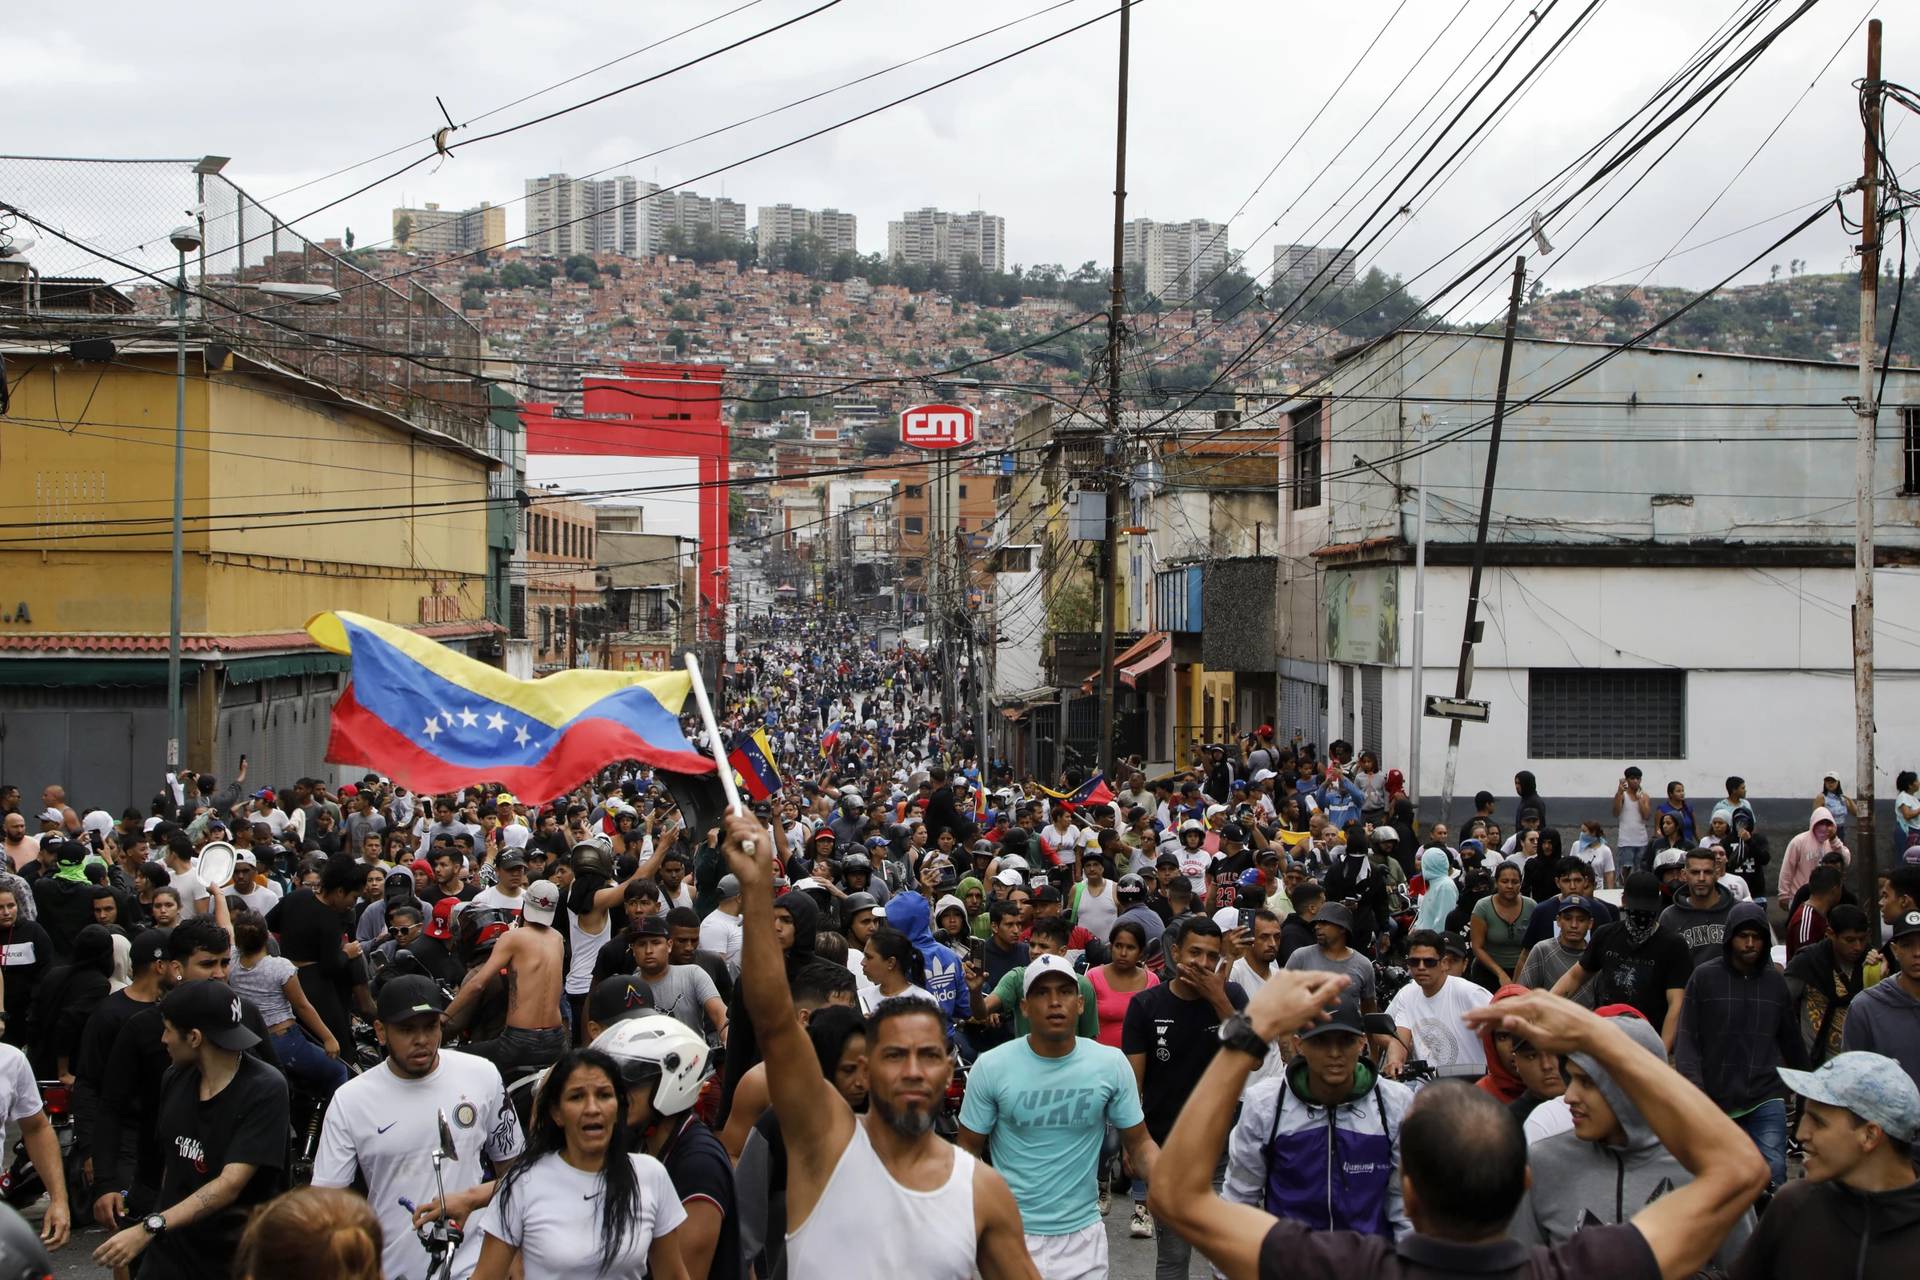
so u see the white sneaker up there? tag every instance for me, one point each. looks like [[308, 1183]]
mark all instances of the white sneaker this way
[[1142, 1228], [1106, 1200]]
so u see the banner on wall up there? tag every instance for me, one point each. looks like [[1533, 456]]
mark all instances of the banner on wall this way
[[1363, 616]]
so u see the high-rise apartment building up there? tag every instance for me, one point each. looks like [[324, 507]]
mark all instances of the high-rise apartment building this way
[[690, 211], [1296, 266], [434, 230], [567, 215], [924, 237], [1175, 260], [778, 224]]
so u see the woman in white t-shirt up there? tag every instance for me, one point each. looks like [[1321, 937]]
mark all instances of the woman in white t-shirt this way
[[891, 964], [578, 1152]]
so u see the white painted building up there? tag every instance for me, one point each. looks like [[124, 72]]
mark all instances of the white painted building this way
[[1668, 577]]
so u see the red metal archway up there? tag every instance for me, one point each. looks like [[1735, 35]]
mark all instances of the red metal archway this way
[[655, 411]]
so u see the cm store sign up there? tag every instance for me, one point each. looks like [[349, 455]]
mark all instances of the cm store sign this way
[[939, 426]]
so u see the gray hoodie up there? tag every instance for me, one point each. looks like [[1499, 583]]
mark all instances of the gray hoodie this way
[[1580, 1184], [1703, 928], [1885, 1019]]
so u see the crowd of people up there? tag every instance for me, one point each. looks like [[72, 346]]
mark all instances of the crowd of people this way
[[910, 1014]]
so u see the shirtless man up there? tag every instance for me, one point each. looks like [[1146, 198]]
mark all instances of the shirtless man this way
[[885, 1179], [532, 960]]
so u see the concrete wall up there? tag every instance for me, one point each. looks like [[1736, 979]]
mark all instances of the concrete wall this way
[[1768, 654], [1654, 446]]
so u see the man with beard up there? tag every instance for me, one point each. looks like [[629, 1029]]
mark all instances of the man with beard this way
[[915, 1204]]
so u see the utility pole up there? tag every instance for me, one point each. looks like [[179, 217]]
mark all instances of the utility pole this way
[[1866, 424], [1116, 481], [1417, 712], [1470, 633]]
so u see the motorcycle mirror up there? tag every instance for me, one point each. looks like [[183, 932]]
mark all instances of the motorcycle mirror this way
[[446, 1138]]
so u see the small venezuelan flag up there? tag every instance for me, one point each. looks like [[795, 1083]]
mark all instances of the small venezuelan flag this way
[[435, 720], [752, 758], [1093, 791]]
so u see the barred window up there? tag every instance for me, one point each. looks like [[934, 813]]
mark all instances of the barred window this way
[[1606, 715]]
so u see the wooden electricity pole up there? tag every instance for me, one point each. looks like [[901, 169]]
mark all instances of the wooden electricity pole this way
[[1116, 485], [1866, 425]]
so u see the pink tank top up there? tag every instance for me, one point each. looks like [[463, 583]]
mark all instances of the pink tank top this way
[[1111, 1005]]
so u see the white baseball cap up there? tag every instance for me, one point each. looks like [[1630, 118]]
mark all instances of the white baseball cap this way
[[1040, 966], [541, 901]]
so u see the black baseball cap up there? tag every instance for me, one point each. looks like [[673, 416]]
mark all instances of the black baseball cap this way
[[410, 996], [1345, 1017], [210, 1007], [149, 948], [1642, 892], [651, 927], [617, 999], [513, 859]]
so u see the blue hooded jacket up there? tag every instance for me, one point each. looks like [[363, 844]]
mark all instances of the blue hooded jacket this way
[[908, 912]]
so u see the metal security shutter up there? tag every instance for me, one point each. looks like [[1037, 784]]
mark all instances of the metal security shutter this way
[[1303, 707], [1370, 701], [1606, 715], [1347, 703], [106, 745]]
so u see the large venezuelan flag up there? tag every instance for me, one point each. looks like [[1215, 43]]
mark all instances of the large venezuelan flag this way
[[435, 720]]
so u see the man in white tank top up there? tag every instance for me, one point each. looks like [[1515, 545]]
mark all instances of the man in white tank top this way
[[879, 1195]]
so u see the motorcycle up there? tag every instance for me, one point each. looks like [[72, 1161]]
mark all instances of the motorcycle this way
[[946, 1122], [20, 1185]]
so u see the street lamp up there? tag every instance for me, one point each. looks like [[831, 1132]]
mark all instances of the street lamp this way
[[186, 240]]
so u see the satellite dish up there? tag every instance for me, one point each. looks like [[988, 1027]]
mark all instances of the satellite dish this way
[[216, 865]]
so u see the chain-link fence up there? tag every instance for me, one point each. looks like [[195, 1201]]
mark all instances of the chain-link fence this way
[[255, 283]]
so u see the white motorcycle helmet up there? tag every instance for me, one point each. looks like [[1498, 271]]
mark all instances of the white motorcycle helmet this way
[[659, 1046]]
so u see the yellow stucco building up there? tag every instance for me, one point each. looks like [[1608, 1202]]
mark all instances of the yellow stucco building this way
[[299, 498]]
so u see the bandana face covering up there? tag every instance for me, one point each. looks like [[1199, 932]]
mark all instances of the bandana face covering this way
[[1641, 924]]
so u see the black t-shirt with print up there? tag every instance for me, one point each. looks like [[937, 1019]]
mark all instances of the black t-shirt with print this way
[[245, 1123], [1178, 1038], [1637, 975]]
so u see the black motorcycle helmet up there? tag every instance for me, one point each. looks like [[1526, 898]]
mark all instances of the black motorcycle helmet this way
[[22, 1256], [592, 858]]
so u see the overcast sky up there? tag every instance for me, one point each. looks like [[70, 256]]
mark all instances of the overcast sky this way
[[1220, 90]]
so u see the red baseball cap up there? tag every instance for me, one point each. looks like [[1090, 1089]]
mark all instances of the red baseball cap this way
[[440, 923]]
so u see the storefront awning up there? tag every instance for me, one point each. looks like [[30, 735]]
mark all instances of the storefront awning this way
[[1161, 650], [1139, 658]]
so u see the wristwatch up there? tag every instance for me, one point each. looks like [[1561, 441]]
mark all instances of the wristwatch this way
[[155, 1223], [1237, 1033]]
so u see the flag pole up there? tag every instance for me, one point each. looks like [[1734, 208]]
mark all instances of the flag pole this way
[[713, 735]]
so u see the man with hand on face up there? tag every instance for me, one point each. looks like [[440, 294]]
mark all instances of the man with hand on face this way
[[1170, 1034], [915, 1204], [1048, 1152], [382, 1126]]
